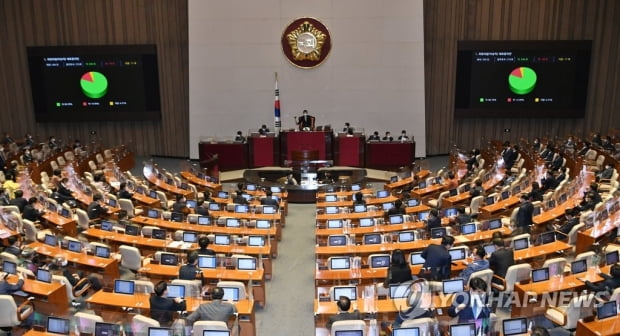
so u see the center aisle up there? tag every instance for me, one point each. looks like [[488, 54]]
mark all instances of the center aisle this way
[[290, 294]]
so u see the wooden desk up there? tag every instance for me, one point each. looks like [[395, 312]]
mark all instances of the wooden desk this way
[[343, 193], [465, 196], [349, 204], [606, 327], [213, 187], [429, 190], [324, 232], [499, 208], [406, 181], [368, 275], [60, 224], [540, 251], [150, 173], [585, 239], [50, 298]]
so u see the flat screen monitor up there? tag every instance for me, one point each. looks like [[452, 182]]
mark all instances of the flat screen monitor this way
[[222, 194], [339, 263], [457, 253], [214, 206], [337, 240], [399, 291], [269, 209], [156, 331], [204, 220], [111, 202], [57, 325], [415, 258], [366, 222], [176, 217], [541, 274], [450, 212], [250, 187], [515, 326], [263, 224], [242, 208], [495, 224], [176, 291], [579, 266], [348, 291], [463, 329], [468, 228], [356, 187], [152, 213], [423, 215], [247, 197], [107, 329], [505, 194], [132, 230], [331, 210], [334, 223], [66, 212], [256, 240], [380, 261], [521, 243], [489, 249], [413, 202], [536, 211], [190, 237], [453, 192], [216, 333], [452, 286], [158, 234], [387, 206], [221, 239], [124, 287], [393, 179], [9, 267], [412, 331], [107, 225], [169, 259], [607, 309], [467, 187], [359, 208], [74, 246], [192, 204], [44, 275], [422, 185], [563, 198], [383, 193], [396, 219], [331, 198], [438, 232], [516, 190], [372, 238], [547, 237], [611, 257], [207, 261], [102, 251], [275, 189], [489, 200], [232, 222], [50, 240], [153, 194], [349, 333], [406, 236], [246, 264], [231, 293]]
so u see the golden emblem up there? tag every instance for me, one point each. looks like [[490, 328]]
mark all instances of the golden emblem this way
[[306, 42]]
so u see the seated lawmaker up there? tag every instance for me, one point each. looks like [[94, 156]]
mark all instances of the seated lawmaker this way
[[191, 269], [501, 259], [305, 122], [31, 212], [162, 306], [180, 205], [358, 198], [97, 209], [479, 263], [388, 137], [204, 249], [374, 136], [397, 209], [344, 305], [123, 192], [610, 282], [239, 137], [399, 270], [215, 310], [264, 129], [403, 136], [269, 200]]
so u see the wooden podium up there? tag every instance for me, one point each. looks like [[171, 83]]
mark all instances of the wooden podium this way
[[264, 151], [295, 141], [389, 155], [231, 155], [349, 150]]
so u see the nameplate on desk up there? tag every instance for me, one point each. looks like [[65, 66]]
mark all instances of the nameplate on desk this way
[[323, 268], [324, 299]]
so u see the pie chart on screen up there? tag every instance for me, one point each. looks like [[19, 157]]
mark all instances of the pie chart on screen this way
[[94, 84], [522, 80]]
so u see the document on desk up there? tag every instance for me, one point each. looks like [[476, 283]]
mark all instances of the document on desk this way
[[4, 233], [175, 244]]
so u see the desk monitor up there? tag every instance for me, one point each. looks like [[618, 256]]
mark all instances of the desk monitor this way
[[423, 215], [563, 198], [158, 234], [44, 275], [102, 251], [330, 189], [489, 248], [372, 238], [551, 204], [107, 329], [339, 263], [152, 213], [422, 185], [9, 267], [521, 243], [222, 194], [387, 206], [337, 240], [541, 274], [394, 179], [334, 223], [256, 240], [457, 253], [331, 210], [176, 217], [413, 331], [452, 286], [453, 192], [383, 193], [132, 230], [607, 309], [463, 329], [67, 213], [50, 240], [468, 228], [155, 331], [348, 291], [396, 219], [579, 266], [190, 237], [221, 239], [269, 209], [505, 194], [331, 198], [176, 291], [204, 220], [51, 207], [232, 222], [140, 190], [515, 326], [415, 258], [107, 225], [247, 197], [169, 181], [207, 261], [406, 236], [489, 200], [495, 224], [216, 333], [246, 264], [349, 333], [74, 246], [169, 259], [399, 291], [263, 224], [153, 194], [379, 261], [450, 212], [213, 206], [438, 232], [124, 287], [466, 187], [250, 187], [230, 293], [413, 202], [438, 180], [192, 204], [547, 237], [192, 219], [275, 189], [242, 208], [611, 257], [359, 208], [536, 211], [57, 325], [111, 202], [367, 222], [356, 187]]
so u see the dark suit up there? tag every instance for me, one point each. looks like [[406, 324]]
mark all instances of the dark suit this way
[[509, 157], [524, 216], [95, 210], [205, 252], [202, 211], [467, 315], [432, 223], [567, 227], [125, 194], [462, 219], [373, 137], [609, 284], [437, 258], [162, 308], [305, 121], [397, 274], [7, 288], [270, 201], [396, 211], [500, 260], [342, 316], [14, 250], [31, 213], [180, 207], [188, 272], [212, 311], [19, 202], [239, 200]]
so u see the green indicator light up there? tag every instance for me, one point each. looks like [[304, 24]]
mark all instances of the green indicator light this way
[[57, 104], [482, 100]]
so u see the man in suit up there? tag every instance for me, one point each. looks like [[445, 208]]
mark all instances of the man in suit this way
[[216, 310], [501, 259], [31, 212], [476, 189], [96, 209], [524, 215], [13, 247], [478, 264], [347, 127], [122, 191], [462, 217], [204, 249], [202, 208], [509, 155], [162, 306], [611, 282], [607, 173], [388, 137], [64, 193], [344, 304], [571, 221], [19, 201], [180, 205], [189, 270], [374, 136], [472, 306], [397, 209], [305, 121], [239, 199], [269, 200], [403, 136], [433, 221], [437, 258], [7, 288]]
